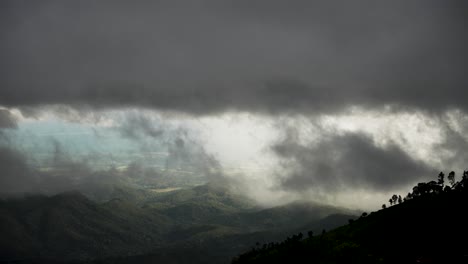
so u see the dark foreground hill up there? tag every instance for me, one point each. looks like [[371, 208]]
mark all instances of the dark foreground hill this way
[[203, 224], [430, 226]]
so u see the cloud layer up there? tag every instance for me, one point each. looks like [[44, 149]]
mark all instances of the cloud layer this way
[[347, 161], [274, 59], [212, 56]]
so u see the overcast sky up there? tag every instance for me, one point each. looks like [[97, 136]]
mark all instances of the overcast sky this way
[[335, 97]]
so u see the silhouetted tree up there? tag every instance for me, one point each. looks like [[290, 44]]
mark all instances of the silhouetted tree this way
[[394, 198], [422, 188], [451, 178], [460, 186], [464, 178], [384, 206], [390, 201], [364, 214], [400, 200], [440, 179], [409, 196], [433, 187], [310, 234], [447, 188]]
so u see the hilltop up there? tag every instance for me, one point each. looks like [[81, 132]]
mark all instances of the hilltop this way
[[428, 226]]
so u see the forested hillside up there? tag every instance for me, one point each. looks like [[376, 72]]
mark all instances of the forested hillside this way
[[190, 225], [429, 225]]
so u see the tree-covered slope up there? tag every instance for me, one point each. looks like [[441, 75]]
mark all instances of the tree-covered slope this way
[[430, 226], [70, 226]]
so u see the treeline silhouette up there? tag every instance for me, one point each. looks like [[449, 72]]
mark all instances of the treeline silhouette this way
[[428, 225], [432, 188]]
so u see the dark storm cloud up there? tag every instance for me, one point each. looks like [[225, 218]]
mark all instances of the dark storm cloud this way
[[209, 56], [349, 161]]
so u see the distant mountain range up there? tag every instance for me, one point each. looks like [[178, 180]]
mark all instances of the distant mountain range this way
[[203, 224]]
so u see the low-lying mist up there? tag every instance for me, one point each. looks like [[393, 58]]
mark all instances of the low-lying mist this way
[[347, 159]]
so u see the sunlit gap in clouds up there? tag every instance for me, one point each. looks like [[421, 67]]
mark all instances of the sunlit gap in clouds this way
[[333, 159]]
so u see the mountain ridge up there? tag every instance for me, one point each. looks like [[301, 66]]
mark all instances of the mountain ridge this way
[[71, 227]]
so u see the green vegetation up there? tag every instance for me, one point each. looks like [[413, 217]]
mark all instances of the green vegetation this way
[[210, 224], [70, 226], [202, 224], [428, 226]]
